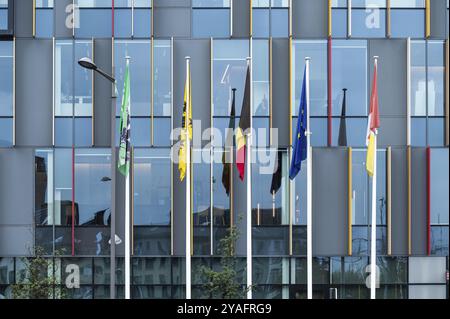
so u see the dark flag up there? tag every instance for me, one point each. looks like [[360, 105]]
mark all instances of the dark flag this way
[[276, 177], [299, 152], [228, 150], [244, 124], [342, 140]]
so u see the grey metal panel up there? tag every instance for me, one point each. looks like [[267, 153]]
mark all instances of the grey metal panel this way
[[309, 19], [23, 18], [16, 201], [241, 19], [200, 53], [16, 241], [102, 94], [399, 193], [61, 17], [171, 3], [392, 131], [418, 201], [280, 90], [438, 19], [329, 202], [392, 79], [172, 22], [34, 78]]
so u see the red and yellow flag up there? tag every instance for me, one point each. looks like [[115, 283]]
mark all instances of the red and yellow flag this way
[[244, 124], [372, 125]]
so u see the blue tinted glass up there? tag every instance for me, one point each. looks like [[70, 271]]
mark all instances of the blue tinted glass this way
[[44, 23], [436, 131], [83, 131], [260, 23], [408, 23], [161, 132], [3, 19], [270, 241], [142, 23], [318, 128], [6, 78], [360, 240], [63, 131], [436, 77], [211, 23], [356, 129], [152, 186], [94, 23], [418, 131], [350, 72], [261, 127], [339, 23], [369, 23], [122, 23], [6, 132], [279, 23], [439, 186], [439, 240], [140, 131], [162, 96]]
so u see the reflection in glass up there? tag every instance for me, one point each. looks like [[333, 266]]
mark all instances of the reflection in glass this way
[[369, 22]]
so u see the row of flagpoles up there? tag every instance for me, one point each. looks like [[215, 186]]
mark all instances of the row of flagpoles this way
[[301, 151]]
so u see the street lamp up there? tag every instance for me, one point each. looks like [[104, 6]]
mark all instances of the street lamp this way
[[87, 63]]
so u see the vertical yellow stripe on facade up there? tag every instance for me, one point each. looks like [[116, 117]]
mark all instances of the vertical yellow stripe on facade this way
[[34, 18], [330, 25], [350, 201], [388, 18], [427, 18]]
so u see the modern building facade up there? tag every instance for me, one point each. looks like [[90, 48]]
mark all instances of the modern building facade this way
[[55, 133]]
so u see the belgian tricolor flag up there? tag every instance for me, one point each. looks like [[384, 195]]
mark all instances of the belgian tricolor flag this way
[[244, 124]]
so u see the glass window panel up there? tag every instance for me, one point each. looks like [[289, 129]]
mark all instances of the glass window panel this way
[[152, 186], [339, 23], [102, 271], [161, 132], [350, 72], [261, 23], [360, 189], [261, 128], [356, 131], [229, 71], [83, 131], [140, 74], [279, 22], [142, 23], [44, 22], [261, 77], [408, 3], [299, 197], [419, 271], [152, 271], [321, 270], [139, 131], [261, 3], [439, 240], [418, 78], [269, 208], [369, 23], [360, 240], [85, 266], [418, 131], [211, 3], [268, 270], [3, 18], [95, 19], [270, 241], [6, 78], [369, 3], [339, 3], [439, 186], [427, 292], [317, 51], [152, 240], [122, 22], [436, 77], [318, 128], [220, 198], [279, 3], [63, 131], [6, 271], [436, 131], [202, 187], [43, 189], [202, 240], [211, 23], [162, 95], [63, 186], [299, 240], [408, 23], [6, 132]]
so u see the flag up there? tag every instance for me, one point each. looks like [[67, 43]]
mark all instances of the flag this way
[[299, 152], [244, 124], [342, 139], [123, 164], [276, 177], [186, 125], [226, 157], [373, 124]]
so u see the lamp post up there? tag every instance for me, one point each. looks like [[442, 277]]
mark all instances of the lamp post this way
[[87, 63]]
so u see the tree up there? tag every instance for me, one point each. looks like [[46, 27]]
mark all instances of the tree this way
[[37, 282], [224, 283]]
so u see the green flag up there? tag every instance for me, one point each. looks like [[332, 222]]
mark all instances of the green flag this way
[[124, 146]]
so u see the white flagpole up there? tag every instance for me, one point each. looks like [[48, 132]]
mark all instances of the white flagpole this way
[[373, 243], [249, 192], [308, 188], [127, 226], [188, 183]]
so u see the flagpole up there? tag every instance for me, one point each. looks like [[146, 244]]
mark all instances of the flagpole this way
[[249, 192], [309, 251], [127, 226], [188, 183], [373, 243]]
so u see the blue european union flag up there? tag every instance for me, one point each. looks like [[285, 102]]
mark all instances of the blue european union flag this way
[[299, 152]]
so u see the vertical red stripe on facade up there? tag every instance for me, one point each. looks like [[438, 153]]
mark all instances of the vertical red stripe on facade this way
[[428, 201], [112, 18], [330, 98], [73, 200]]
